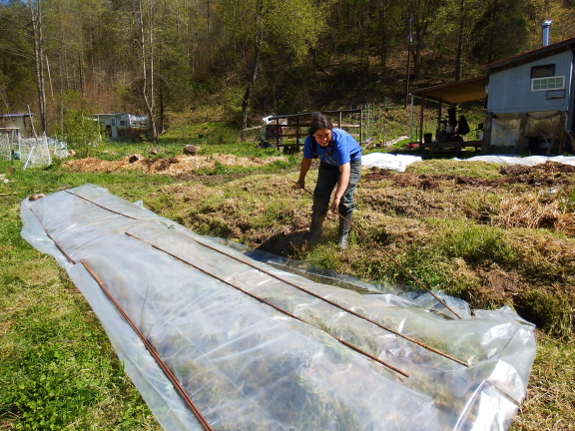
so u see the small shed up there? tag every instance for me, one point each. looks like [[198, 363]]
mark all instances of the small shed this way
[[124, 125], [530, 99]]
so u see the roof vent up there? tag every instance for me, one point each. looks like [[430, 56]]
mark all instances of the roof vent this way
[[545, 31]]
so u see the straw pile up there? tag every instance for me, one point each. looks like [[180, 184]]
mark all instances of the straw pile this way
[[528, 211], [172, 166]]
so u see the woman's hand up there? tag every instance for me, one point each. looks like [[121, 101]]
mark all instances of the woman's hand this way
[[300, 184], [335, 204]]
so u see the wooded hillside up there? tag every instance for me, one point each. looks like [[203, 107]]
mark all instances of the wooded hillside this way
[[151, 57]]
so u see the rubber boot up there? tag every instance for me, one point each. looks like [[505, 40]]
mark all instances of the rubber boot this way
[[317, 219], [344, 230]]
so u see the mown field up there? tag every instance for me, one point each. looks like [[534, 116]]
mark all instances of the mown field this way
[[490, 234]]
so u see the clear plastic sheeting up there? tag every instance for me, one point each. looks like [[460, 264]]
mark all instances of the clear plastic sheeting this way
[[505, 127], [249, 366]]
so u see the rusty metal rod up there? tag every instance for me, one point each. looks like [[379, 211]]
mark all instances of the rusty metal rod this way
[[169, 374], [335, 304], [413, 277], [148, 345], [305, 290], [263, 301], [311, 293], [101, 206]]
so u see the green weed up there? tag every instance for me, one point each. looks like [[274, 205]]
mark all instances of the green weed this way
[[474, 243]]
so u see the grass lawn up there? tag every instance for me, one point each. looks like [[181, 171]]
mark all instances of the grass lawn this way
[[451, 225]]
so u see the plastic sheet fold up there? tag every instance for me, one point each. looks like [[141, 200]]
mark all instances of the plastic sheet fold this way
[[256, 352]]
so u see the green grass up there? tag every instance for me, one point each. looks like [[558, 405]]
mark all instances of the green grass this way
[[59, 370]]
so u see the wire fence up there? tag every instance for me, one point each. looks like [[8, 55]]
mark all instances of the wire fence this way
[[33, 152]]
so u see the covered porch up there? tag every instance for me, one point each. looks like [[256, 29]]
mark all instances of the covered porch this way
[[449, 96]]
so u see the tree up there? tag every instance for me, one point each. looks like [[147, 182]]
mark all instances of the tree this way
[[17, 77], [424, 13], [292, 26], [501, 31], [454, 34], [36, 16], [81, 132]]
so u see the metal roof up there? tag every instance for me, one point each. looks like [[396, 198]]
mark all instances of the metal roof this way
[[532, 55], [467, 90]]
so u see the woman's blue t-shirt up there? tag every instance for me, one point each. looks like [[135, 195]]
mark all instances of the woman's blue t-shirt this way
[[342, 149]]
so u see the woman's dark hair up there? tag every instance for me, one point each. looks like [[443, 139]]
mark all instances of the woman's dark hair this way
[[319, 121]]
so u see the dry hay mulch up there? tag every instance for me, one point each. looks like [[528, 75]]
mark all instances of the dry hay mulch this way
[[172, 166], [528, 211]]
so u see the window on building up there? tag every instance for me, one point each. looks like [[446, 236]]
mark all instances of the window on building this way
[[544, 84], [543, 71], [122, 123]]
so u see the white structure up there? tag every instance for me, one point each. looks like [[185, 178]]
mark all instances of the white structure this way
[[124, 125]]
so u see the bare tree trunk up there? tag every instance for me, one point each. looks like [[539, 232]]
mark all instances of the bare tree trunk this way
[[459, 52], [148, 68], [35, 10], [253, 76]]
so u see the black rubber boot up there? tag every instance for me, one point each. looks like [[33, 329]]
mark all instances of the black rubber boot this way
[[344, 230], [317, 219]]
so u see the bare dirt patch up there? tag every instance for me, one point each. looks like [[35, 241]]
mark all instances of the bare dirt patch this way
[[546, 174]]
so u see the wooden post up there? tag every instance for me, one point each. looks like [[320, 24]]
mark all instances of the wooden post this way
[[487, 134], [562, 132], [438, 128], [421, 120], [520, 145]]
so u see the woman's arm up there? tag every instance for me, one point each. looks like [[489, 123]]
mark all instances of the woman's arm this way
[[305, 164], [344, 172]]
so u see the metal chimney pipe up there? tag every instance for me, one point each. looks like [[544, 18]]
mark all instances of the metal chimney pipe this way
[[545, 32]]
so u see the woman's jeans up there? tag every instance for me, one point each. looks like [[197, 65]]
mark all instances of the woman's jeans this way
[[327, 180]]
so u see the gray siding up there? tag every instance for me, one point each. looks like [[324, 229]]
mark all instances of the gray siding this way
[[510, 90]]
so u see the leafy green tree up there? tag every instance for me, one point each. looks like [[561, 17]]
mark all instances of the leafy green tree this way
[[17, 78], [81, 132], [501, 31], [453, 35], [292, 26]]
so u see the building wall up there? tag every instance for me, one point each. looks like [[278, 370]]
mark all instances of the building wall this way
[[509, 91]]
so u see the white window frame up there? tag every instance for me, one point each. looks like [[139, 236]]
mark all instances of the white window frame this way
[[548, 83]]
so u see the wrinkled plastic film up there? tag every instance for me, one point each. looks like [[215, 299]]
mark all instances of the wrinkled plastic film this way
[[247, 365]]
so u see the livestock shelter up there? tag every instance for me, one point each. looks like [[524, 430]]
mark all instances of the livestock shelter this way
[[530, 100]]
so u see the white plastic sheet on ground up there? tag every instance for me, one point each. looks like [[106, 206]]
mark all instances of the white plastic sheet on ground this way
[[399, 162], [248, 366], [388, 161], [526, 161]]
